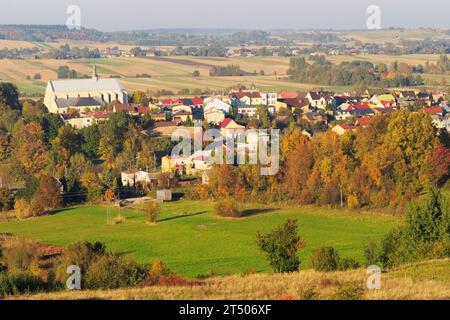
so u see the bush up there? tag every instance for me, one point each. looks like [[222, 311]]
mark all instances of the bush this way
[[112, 272], [325, 259], [371, 253], [22, 209], [157, 271], [348, 264], [349, 292], [15, 284], [153, 211], [82, 254], [20, 255], [227, 207], [281, 247]]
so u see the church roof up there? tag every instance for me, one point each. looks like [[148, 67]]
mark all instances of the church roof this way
[[85, 85], [79, 102]]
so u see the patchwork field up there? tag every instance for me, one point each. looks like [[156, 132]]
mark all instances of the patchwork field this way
[[175, 73], [193, 241]]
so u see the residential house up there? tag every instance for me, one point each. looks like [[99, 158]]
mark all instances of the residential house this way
[[384, 101], [252, 98], [130, 108], [181, 107], [158, 117], [341, 129], [269, 99], [180, 165], [297, 104], [218, 104], [183, 115], [229, 128], [315, 118], [214, 116], [133, 177], [320, 100], [246, 110]]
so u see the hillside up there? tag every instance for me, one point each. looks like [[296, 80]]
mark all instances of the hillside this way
[[427, 280]]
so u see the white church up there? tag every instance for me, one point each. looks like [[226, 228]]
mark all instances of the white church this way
[[83, 94]]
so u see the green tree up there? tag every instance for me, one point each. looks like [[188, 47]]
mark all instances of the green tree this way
[[281, 246]]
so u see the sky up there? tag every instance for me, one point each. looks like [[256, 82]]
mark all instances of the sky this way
[[120, 15]]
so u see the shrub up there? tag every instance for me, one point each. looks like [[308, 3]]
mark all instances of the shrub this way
[[348, 264], [425, 234], [157, 271], [325, 259], [82, 254], [22, 209], [309, 294], [371, 253], [349, 292], [20, 255], [112, 272], [353, 202], [281, 247], [153, 211], [5, 199], [227, 207], [15, 284]]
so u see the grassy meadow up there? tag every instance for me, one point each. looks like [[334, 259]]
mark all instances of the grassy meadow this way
[[193, 241]]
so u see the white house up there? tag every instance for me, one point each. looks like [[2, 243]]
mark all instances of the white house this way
[[247, 110], [217, 103], [132, 177], [269, 99]]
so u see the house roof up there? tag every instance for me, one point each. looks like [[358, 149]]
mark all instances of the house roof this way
[[364, 121], [346, 126], [288, 95], [85, 85], [105, 114], [433, 110], [226, 122], [193, 102], [250, 94], [129, 107], [358, 106], [171, 101], [316, 95], [296, 102]]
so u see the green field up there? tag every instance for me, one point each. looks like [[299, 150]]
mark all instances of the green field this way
[[192, 240]]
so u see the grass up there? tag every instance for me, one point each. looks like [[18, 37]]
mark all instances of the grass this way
[[301, 285], [193, 241]]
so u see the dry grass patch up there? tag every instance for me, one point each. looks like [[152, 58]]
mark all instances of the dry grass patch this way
[[304, 285]]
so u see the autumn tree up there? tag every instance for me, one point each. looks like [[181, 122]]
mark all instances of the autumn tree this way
[[31, 150], [48, 195]]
